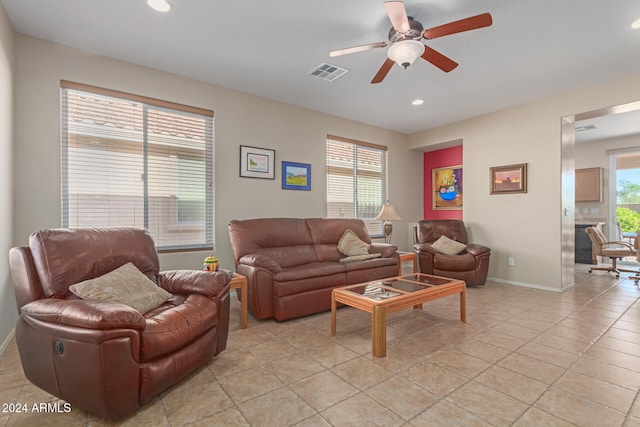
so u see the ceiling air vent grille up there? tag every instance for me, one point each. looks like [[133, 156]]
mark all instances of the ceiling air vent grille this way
[[328, 72]]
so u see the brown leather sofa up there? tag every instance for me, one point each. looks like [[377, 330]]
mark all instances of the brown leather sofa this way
[[105, 357], [293, 264], [471, 265]]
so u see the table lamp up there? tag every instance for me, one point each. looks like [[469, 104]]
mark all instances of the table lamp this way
[[388, 214]]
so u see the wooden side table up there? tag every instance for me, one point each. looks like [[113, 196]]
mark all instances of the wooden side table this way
[[240, 282], [406, 257]]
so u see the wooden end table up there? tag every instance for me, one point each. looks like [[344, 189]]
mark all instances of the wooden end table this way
[[406, 257], [396, 293], [240, 282]]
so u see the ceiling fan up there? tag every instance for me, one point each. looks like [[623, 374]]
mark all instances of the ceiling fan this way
[[404, 37]]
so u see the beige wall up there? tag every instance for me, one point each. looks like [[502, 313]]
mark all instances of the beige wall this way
[[295, 133], [524, 226], [7, 301]]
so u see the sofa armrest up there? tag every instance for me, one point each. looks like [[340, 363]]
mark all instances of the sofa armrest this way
[[424, 248], [100, 315], [261, 261], [187, 282], [385, 250]]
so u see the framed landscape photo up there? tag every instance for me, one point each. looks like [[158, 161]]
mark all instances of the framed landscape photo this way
[[509, 179], [296, 176], [257, 162], [447, 188]]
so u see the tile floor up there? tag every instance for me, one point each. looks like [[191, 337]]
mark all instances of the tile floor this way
[[525, 358]]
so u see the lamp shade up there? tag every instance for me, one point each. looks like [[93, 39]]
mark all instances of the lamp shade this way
[[388, 213], [405, 52]]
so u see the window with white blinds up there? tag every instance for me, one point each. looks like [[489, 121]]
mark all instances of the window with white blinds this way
[[135, 161], [356, 181]]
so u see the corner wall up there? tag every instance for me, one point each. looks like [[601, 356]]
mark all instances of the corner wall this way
[[527, 227], [8, 312]]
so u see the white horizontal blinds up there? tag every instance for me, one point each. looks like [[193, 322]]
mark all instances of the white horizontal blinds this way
[[130, 163], [356, 180]]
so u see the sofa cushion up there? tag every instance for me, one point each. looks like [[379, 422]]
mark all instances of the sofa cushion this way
[[355, 258], [126, 285], [448, 246], [351, 245]]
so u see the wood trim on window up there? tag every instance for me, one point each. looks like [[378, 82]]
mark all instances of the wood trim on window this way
[[136, 98], [356, 142]]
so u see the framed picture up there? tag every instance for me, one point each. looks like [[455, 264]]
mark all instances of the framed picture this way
[[296, 176], [509, 179], [447, 187], [257, 162]]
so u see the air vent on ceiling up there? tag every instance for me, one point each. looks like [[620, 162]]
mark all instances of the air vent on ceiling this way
[[328, 72], [584, 128]]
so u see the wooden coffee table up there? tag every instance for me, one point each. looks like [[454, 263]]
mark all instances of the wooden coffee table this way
[[396, 293]]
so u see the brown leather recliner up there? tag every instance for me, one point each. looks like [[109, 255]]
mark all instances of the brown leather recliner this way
[[471, 265], [106, 357]]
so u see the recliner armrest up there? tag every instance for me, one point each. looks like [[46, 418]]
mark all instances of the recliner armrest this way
[[424, 247], [85, 314], [477, 250], [187, 282]]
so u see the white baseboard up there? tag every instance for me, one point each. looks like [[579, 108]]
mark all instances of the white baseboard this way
[[525, 285], [7, 340]]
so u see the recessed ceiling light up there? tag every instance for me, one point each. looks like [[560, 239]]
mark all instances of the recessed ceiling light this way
[[636, 24], [159, 5], [417, 102]]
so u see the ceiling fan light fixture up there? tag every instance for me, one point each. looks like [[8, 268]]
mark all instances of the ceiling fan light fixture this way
[[635, 24], [159, 5], [417, 102], [405, 52]]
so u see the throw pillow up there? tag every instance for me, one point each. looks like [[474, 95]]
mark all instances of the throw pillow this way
[[126, 285], [448, 246], [350, 244], [360, 257]]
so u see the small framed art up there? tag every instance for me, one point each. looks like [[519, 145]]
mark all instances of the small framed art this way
[[447, 187], [296, 176], [257, 162], [508, 179]]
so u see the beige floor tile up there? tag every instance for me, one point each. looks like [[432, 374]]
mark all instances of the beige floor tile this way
[[532, 368], [246, 385], [331, 355], [434, 378], [272, 350], [536, 418], [623, 346], [231, 362], [609, 373], [578, 410], [622, 334], [402, 396], [562, 343], [447, 414], [459, 362], [533, 324], [294, 367], [548, 354], [512, 383], [362, 372], [487, 352], [314, 421], [149, 415], [602, 392], [487, 403], [499, 340], [361, 410], [323, 390], [614, 357], [189, 405], [231, 417], [281, 407], [516, 331]]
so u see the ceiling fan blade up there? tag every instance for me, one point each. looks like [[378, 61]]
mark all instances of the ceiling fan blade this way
[[397, 15], [355, 49], [439, 60], [383, 71], [472, 23]]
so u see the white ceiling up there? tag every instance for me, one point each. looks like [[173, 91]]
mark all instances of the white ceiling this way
[[534, 49]]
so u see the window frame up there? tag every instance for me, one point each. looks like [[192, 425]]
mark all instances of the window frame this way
[[383, 180], [159, 105]]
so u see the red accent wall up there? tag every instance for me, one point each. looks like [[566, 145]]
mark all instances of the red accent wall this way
[[439, 159]]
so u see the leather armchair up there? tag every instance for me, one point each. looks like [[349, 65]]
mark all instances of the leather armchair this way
[[106, 357], [471, 265]]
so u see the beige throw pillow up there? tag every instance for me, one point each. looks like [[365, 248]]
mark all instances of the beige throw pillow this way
[[126, 285], [351, 245], [448, 246]]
